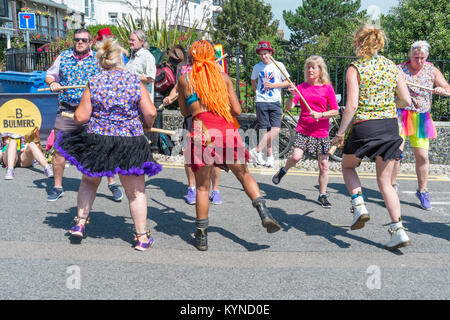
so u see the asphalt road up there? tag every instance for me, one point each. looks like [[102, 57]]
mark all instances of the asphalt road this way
[[314, 256]]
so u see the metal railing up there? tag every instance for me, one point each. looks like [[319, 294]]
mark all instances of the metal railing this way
[[241, 62]]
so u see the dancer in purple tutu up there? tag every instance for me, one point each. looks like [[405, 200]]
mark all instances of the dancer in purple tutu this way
[[114, 142]]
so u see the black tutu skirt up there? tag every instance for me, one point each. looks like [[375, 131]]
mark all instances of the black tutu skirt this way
[[98, 155], [372, 138]]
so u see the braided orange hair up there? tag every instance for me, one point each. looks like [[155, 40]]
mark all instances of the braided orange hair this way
[[208, 81]]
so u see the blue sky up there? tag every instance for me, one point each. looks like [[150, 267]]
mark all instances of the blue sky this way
[[373, 6]]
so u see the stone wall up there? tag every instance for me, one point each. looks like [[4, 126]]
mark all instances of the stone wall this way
[[439, 147]]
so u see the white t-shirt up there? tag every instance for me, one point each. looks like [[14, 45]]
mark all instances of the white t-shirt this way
[[143, 63], [268, 73]]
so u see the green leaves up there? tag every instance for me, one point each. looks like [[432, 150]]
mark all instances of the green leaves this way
[[244, 22], [322, 18], [414, 20]]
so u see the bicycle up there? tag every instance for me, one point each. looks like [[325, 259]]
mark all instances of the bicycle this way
[[251, 134]]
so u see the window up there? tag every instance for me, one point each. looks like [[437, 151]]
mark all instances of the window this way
[[112, 17], [4, 8], [195, 1], [214, 17], [86, 8], [217, 2]]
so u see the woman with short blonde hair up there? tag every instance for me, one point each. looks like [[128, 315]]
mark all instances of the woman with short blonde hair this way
[[110, 54], [113, 104], [373, 83]]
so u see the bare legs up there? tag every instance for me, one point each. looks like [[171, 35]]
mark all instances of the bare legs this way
[[384, 171], [266, 140], [135, 191]]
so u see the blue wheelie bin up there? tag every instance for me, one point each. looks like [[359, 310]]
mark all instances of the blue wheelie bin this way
[[22, 82], [18, 86]]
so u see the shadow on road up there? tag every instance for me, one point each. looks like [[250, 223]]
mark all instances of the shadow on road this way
[[434, 229], [316, 227], [102, 225]]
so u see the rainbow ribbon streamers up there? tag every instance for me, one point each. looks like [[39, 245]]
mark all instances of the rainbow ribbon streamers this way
[[418, 124]]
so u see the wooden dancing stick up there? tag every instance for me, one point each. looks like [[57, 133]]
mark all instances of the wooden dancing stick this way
[[332, 150], [157, 130], [290, 82], [65, 87], [423, 87]]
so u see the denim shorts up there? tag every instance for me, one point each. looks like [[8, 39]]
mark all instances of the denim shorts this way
[[268, 114]]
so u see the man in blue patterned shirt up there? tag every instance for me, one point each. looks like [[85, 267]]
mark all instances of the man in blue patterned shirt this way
[[72, 67]]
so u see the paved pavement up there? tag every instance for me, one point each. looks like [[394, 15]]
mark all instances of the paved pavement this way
[[314, 256]]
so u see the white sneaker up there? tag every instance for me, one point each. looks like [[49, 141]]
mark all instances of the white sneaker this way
[[270, 162], [257, 157], [399, 238], [9, 174], [360, 213]]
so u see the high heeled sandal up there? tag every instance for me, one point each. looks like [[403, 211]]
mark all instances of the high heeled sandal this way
[[79, 230], [142, 246]]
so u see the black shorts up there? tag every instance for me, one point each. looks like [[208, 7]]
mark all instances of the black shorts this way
[[268, 114], [372, 138], [65, 124]]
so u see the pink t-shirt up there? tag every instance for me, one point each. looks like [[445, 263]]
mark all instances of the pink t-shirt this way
[[319, 97]]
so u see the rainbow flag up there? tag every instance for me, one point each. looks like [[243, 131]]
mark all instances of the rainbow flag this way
[[218, 50]]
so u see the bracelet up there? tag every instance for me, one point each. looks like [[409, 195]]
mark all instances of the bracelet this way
[[322, 115], [51, 83]]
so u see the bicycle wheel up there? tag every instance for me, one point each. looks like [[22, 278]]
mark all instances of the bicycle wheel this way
[[337, 155], [251, 136], [286, 138]]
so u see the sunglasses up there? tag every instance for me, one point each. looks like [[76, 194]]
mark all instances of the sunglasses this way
[[85, 40]]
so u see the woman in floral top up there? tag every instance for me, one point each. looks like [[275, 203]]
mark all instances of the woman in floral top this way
[[372, 82], [415, 119], [114, 142]]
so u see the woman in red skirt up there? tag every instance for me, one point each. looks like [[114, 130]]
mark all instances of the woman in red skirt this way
[[208, 95]]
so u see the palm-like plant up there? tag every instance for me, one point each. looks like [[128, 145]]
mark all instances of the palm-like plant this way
[[159, 33]]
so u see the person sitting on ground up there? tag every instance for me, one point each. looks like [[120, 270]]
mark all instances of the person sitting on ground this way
[[15, 152]]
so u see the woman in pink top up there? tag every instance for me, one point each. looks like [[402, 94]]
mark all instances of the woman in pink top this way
[[312, 127]]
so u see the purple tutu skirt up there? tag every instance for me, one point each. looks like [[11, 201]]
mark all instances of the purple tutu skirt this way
[[98, 155]]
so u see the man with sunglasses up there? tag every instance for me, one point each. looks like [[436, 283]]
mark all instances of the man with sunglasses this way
[[72, 67]]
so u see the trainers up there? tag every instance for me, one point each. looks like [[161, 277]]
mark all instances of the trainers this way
[[279, 175], [116, 191], [323, 200], [270, 162], [48, 171], [9, 174], [424, 198], [215, 197], [360, 213], [257, 157], [191, 197], [56, 194], [395, 186], [201, 239]]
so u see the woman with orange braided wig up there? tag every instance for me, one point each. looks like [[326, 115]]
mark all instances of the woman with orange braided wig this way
[[208, 94]]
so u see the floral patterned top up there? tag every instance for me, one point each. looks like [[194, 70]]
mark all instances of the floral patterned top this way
[[421, 99], [115, 97], [378, 80], [69, 71]]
